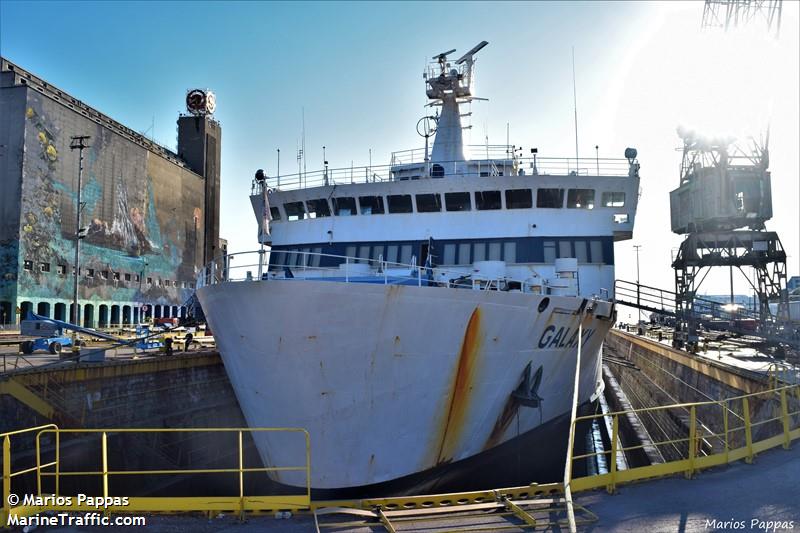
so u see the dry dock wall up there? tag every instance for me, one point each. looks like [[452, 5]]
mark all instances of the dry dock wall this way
[[182, 391], [652, 374]]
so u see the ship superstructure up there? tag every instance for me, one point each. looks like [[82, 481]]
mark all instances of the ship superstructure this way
[[446, 291]]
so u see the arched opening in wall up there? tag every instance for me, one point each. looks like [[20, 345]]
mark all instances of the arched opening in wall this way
[[88, 316], [6, 315], [136, 315], [157, 311], [126, 314], [75, 318], [60, 312], [25, 309], [147, 312], [183, 312], [103, 320], [43, 309], [175, 311], [115, 315]]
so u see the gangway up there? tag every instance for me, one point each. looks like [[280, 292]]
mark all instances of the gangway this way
[[710, 314]]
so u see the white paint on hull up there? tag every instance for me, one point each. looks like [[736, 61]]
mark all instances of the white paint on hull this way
[[382, 377]]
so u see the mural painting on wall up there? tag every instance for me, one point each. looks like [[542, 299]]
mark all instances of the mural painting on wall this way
[[124, 233]]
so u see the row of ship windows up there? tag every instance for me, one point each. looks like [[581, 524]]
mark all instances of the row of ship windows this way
[[91, 273], [464, 253], [453, 201]]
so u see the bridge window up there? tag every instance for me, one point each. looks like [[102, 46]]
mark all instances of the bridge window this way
[[399, 203], [580, 198], [350, 251], [295, 210], [363, 254], [345, 206], [371, 205], [316, 257], [457, 201], [275, 213], [449, 254], [463, 253], [581, 253], [550, 198], [427, 203], [377, 252], [437, 171], [549, 252], [487, 200], [613, 199], [564, 249], [596, 249], [518, 199], [319, 208]]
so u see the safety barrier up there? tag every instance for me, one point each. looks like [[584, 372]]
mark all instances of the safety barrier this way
[[53, 470], [711, 433]]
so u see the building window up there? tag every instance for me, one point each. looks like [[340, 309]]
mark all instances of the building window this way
[[149, 281], [115, 276], [518, 199], [580, 198], [28, 265], [275, 213], [61, 269], [613, 199], [89, 272], [295, 210], [426, 203], [319, 208], [345, 206], [550, 198], [104, 274], [457, 201], [399, 203], [371, 205], [127, 276], [136, 278], [487, 200], [44, 267]]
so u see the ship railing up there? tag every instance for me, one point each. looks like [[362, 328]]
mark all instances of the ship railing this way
[[471, 151], [503, 165], [258, 265]]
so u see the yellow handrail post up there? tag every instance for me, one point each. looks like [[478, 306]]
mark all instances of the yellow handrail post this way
[[38, 467], [785, 418], [308, 465], [612, 487], [747, 430], [725, 410], [241, 478], [692, 440], [6, 509], [58, 457], [104, 441]]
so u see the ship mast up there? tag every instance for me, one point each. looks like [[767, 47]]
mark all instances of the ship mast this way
[[448, 85]]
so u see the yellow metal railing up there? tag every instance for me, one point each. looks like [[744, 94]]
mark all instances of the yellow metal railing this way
[[709, 433], [53, 469]]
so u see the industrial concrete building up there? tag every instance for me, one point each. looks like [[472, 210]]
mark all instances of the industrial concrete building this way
[[152, 215]]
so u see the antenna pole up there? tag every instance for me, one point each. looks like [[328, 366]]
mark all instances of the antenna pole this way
[[279, 167], [575, 104], [597, 157], [304, 147]]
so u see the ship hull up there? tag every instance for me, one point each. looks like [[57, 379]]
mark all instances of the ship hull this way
[[394, 382]]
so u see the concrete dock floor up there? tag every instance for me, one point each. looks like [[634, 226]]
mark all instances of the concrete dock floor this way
[[738, 497]]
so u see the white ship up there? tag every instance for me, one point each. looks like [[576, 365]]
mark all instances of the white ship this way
[[421, 319]]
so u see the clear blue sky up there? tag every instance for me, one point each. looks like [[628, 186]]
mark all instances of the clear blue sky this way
[[642, 69]]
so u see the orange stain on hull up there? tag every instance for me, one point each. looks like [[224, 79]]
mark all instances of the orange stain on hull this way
[[461, 388]]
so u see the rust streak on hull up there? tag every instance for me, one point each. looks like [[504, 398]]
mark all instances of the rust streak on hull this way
[[460, 394]]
